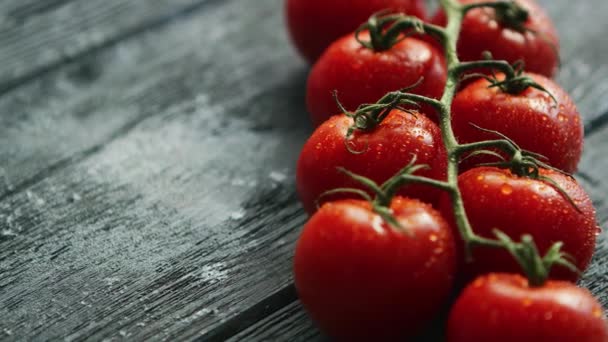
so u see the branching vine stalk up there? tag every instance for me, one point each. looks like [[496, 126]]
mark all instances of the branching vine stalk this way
[[387, 30]]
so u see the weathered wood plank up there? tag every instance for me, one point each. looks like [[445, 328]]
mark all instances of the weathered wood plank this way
[[70, 28], [12, 11], [162, 229], [583, 47], [69, 114], [593, 174], [167, 234], [287, 324]]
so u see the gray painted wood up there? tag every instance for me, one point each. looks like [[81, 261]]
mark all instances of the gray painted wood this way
[[287, 324], [179, 184], [146, 188], [67, 115], [20, 10], [36, 36]]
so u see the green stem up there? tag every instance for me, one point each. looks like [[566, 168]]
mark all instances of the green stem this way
[[502, 144], [502, 66], [369, 116], [455, 14]]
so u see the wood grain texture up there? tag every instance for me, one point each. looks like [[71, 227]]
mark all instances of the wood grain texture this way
[[288, 324], [147, 188], [583, 49], [154, 229], [69, 114], [36, 36], [15, 11]]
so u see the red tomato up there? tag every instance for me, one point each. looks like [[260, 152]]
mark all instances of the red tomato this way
[[482, 31], [504, 308], [497, 199], [361, 75], [315, 24], [361, 279], [386, 150], [532, 119]]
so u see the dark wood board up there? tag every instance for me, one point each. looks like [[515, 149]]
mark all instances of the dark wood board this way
[[37, 36], [219, 103], [146, 181]]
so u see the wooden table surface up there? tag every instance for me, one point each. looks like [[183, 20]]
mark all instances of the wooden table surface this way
[[147, 153]]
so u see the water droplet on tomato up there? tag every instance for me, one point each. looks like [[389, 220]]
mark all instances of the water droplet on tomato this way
[[548, 315], [562, 117], [433, 237], [506, 189], [478, 283], [318, 146], [598, 231], [438, 250], [480, 178], [420, 137], [597, 312], [526, 302]]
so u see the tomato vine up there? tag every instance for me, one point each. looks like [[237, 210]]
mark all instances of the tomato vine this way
[[388, 29]]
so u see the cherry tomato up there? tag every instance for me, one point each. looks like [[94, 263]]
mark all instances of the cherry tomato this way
[[362, 279], [381, 153], [532, 119], [505, 308], [315, 24], [361, 75], [537, 45], [497, 199]]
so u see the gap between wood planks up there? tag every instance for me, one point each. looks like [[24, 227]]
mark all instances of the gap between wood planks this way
[[596, 124], [156, 23], [24, 10]]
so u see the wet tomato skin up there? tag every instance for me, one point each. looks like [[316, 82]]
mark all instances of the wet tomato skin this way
[[361, 75], [314, 24], [532, 119], [505, 308], [381, 153], [363, 280], [482, 32], [497, 199]]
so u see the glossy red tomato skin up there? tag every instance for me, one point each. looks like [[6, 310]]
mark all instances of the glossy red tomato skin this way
[[362, 280], [385, 150], [315, 24], [361, 75], [532, 119], [504, 308], [481, 32], [496, 199]]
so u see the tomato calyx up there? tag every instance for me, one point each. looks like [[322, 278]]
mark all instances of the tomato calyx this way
[[523, 163], [514, 82], [368, 116], [386, 30], [535, 267], [508, 14], [384, 194]]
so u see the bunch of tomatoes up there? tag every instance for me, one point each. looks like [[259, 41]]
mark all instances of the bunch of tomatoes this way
[[442, 187]]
